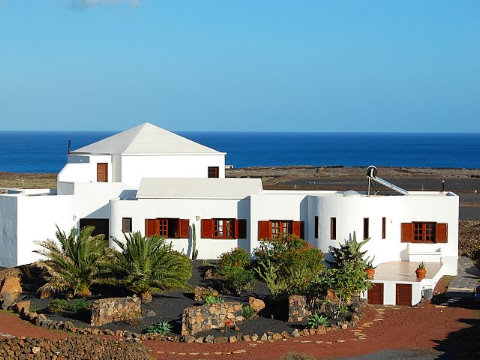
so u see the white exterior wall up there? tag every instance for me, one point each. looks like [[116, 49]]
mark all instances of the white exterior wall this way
[[83, 168], [37, 218], [8, 230], [351, 210], [92, 200], [192, 209], [136, 167], [277, 205]]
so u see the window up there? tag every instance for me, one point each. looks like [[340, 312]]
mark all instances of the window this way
[[126, 225], [271, 228], [316, 227], [168, 228], [213, 172], [384, 228], [280, 227], [366, 228], [223, 228], [424, 232], [333, 228]]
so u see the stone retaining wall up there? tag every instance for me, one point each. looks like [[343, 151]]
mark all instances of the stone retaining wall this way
[[206, 317], [298, 308], [105, 311]]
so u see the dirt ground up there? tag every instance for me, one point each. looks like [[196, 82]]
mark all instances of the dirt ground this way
[[451, 330]]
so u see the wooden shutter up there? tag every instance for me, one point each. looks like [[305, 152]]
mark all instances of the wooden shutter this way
[[150, 227], [441, 233], [264, 230], [297, 229], [240, 229], [207, 228], [183, 228], [407, 232], [102, 172]]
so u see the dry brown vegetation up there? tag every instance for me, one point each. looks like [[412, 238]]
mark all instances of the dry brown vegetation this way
[[28, 180], [469, 239]]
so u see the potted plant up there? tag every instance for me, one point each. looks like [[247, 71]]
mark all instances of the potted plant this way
[[421, 271], [370, 270]]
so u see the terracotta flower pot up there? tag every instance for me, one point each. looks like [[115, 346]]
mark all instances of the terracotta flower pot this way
[[421, 273], [370, 273]]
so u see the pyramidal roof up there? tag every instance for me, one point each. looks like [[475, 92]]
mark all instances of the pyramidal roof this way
[[145, 139]]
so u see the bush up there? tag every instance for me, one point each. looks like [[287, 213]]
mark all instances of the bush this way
[[296, 356], [316, 320], [212, 299], [235, 258], [147, 265], [234, 271], [162, 328], [57, 306], [248, 312], [288, 265], [74, 262], [80, 305]]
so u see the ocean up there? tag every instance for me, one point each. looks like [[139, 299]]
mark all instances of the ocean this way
[[46, 151]]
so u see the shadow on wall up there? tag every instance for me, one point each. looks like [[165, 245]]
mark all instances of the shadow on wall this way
[[461, 344]]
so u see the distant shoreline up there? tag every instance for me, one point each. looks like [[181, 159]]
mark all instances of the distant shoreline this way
[[464, 182]]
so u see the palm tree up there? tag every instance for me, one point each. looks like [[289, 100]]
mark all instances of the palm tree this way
[[74, 262], [147, 265]]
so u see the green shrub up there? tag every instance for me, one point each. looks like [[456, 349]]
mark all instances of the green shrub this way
[[234, 271], [349, 251], [57, 306], [80, 305], [235, 258], [148, 265], [316, 320], [296, 356], [288, 264], [75, 262], [248, 312], [212, 299], [162, 328]]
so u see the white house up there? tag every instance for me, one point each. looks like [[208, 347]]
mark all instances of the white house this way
[[150, 180]]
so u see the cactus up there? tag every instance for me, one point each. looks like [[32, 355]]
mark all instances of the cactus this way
[[194, 243]]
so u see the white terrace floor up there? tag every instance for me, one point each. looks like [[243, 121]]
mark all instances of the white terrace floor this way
[[404, 271]]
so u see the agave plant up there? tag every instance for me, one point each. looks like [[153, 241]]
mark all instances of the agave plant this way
[[349, 251], [74, 262], [146, 265]]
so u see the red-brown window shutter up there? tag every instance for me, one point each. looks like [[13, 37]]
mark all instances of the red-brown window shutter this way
[[407, 232], [298, 229], [240, 229], [441, 233], [150, 227], [183, 228], [264, 230], [207, 228]]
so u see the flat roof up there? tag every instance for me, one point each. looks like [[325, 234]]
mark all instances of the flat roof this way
[[404, 271], [229, 188]]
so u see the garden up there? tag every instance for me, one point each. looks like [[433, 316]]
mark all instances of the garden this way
[[145, 287]]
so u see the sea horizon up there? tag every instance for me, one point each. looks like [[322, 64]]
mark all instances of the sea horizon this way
[[46, 151]]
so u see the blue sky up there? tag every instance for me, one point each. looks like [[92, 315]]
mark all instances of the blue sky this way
[[244, 65]]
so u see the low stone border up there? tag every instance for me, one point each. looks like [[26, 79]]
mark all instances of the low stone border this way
[[23, 307]]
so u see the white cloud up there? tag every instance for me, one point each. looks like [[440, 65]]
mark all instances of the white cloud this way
[[84, 4]]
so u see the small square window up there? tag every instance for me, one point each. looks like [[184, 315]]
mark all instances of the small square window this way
[[213, 172], [127, 225]]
